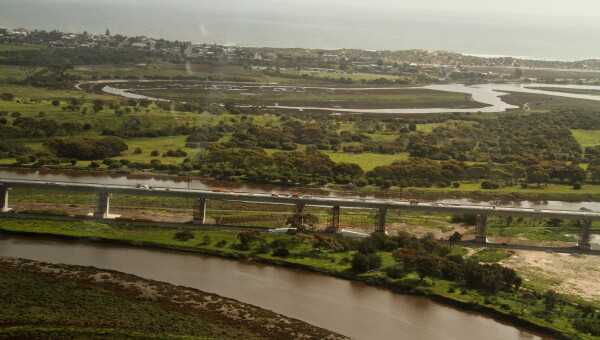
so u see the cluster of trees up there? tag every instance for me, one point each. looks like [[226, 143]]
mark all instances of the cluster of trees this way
[[429, 257], [11, 148], [50, 79], [228, 159], [61, 59], [27, 127], [523, 139], [426, 172], [86, 149], [425, 256]]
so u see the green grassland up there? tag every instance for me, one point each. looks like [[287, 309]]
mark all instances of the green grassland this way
[[10, 74], [354, 76], [539, 72], [586, 137], [546, 103], [568, 90], [424, 98], [166, 69], [11, 47], [366, 160]]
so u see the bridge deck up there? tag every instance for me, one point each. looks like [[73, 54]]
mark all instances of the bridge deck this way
[[307, 200]]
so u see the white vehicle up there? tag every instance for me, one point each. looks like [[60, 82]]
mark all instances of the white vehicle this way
[[354, 234], [282, 230]]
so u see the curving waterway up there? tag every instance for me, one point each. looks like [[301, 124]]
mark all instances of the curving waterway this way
[[350, 308], [487, 94]]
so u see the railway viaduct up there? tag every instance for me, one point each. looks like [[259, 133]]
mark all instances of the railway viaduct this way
[[104, 192]]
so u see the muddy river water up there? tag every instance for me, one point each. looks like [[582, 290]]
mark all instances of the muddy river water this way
[[349, 308]]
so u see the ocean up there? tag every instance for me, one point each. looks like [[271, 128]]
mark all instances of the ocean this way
[[324, 26]]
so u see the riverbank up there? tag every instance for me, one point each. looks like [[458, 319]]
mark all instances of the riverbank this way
[[61, 301], [500, 306], [473, 191]]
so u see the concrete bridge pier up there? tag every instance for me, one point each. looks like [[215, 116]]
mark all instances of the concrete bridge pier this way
[[298, 211], [199, 211], [4, 198], [381, 214], [584, 241], [334, 220], [102, 205], [482, 229]]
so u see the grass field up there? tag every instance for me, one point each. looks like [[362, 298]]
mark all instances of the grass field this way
[[354, 76], [160, 144], [567, 90], [586, 137], [160, 68], [532, 189], [545, 103], [315, 97], [366, 160], [540, 72], [11, 47]]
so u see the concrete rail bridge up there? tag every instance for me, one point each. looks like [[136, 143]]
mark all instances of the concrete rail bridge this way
[[299, 203]]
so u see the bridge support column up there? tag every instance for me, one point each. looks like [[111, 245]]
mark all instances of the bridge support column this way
[[381, 214], [199, 211], [4, 198], [482, 230], [334, 220], [584, 241], [102, 205], [298, 211]]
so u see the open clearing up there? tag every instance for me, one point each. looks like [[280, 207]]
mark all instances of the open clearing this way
[[568, 274]]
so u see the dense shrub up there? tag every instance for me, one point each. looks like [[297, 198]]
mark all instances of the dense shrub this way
[[87, 149], [184, 236]]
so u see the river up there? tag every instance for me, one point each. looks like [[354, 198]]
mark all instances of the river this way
[[349, 308], [488, 94], [160, 180]]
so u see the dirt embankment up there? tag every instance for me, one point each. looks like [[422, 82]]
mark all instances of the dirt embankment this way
[[574, 274]]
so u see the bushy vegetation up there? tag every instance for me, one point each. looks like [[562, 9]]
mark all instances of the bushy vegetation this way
[[88, 149]]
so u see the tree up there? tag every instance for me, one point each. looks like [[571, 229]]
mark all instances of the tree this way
[[360, 263], [551, 300], [455, 237], [71, 128], [107, 33], [321, 242], [303, 240], [518, 73], [247, 238], [302, 221], [427, 266], [575, 174], [183, 236], [537, 174], [7, 96]]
